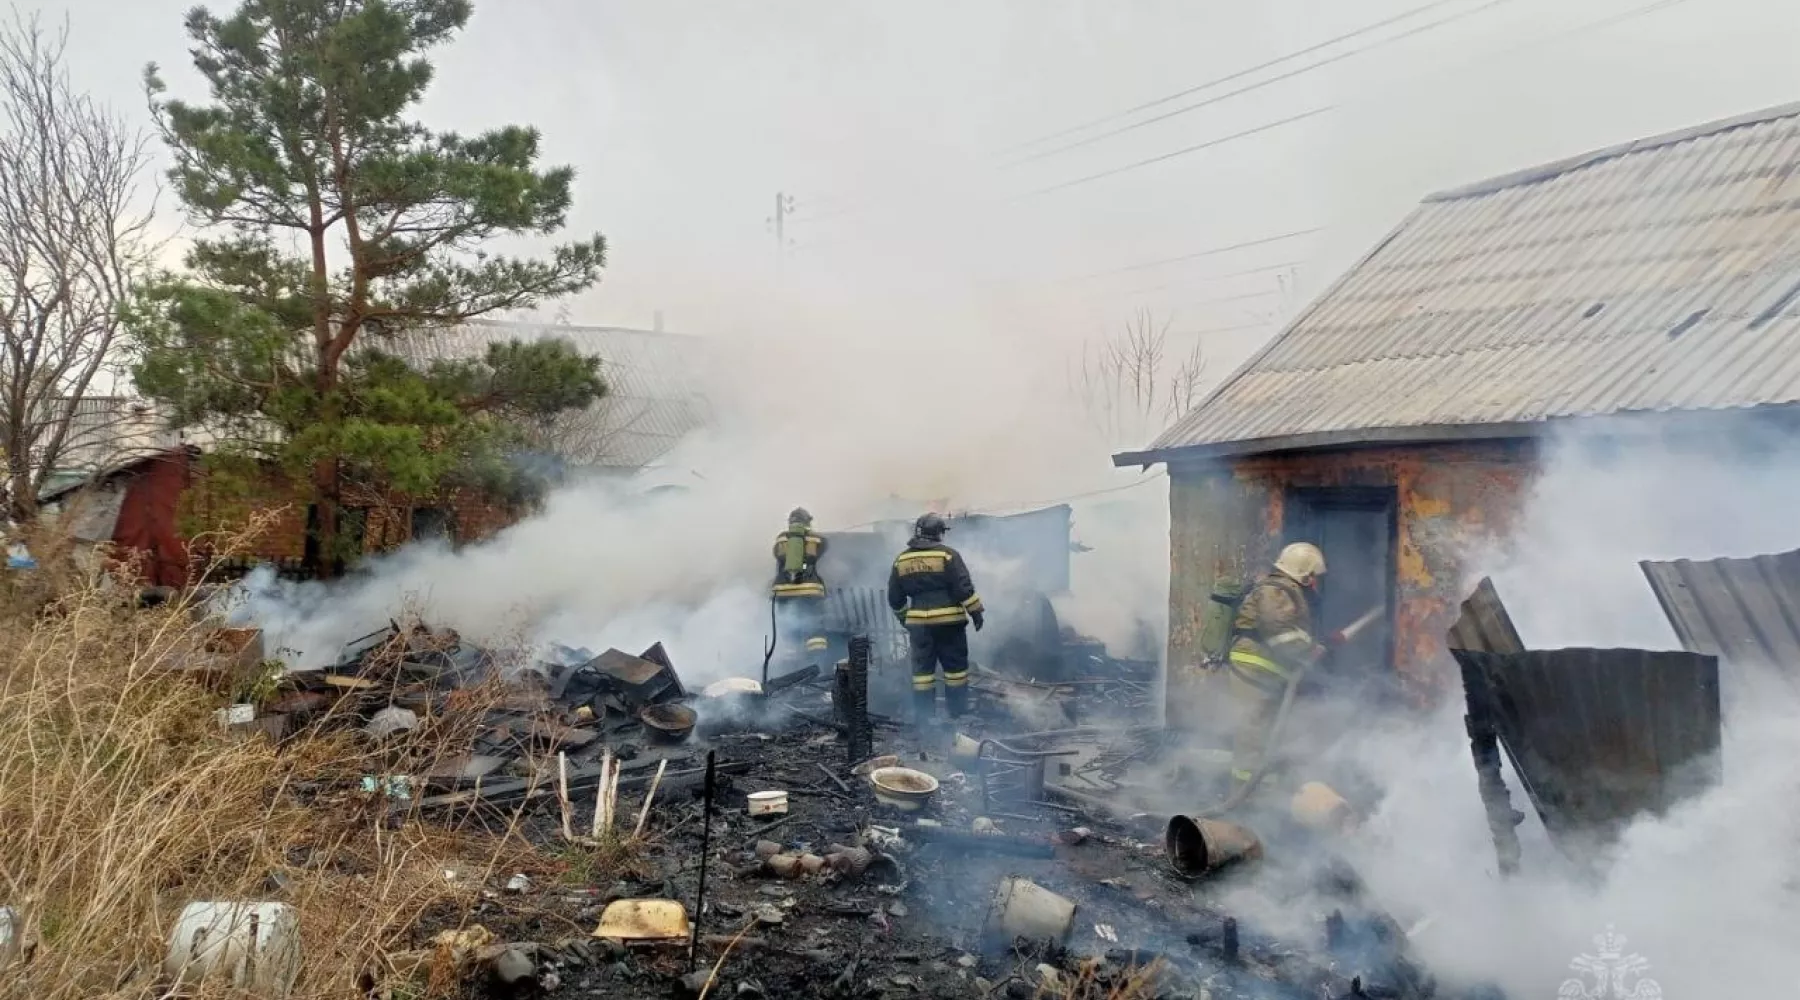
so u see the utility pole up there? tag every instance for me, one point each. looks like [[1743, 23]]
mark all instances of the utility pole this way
[[784, 207]]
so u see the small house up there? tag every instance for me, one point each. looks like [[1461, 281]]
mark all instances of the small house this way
[[1649, 287]]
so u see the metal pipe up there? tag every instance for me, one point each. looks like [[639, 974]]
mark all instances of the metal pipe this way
[[705, 848]]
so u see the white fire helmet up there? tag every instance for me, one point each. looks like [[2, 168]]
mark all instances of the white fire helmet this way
[[1303, 561]]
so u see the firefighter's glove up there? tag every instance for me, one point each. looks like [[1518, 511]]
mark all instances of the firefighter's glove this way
[[900, 616], [978, 618], [1336, 639]]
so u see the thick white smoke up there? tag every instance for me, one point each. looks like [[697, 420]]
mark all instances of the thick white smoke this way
[[892, 415], [1704, 895]]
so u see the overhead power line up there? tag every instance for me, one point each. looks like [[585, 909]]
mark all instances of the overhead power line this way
[[1209, 331], [1198, 254], [1196, 106], [1199, 278], [1240, 74], [1245, 297], [1184, 151]]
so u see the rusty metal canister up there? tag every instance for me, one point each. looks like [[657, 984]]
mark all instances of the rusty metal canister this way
[[1200, 847]]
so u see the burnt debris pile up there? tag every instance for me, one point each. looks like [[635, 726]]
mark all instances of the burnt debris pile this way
[[794, 837]]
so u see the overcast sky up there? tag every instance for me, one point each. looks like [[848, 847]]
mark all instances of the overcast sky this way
[[895, 127]]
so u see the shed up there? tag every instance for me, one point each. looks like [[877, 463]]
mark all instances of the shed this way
[[1649, 287]]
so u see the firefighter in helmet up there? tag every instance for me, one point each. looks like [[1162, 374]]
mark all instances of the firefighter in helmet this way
[[930, 591], [798, 590], [1272, 645]]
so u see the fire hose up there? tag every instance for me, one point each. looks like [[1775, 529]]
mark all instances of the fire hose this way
[[1272, 737]]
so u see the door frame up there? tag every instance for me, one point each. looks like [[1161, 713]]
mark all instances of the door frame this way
[[1309, 499]]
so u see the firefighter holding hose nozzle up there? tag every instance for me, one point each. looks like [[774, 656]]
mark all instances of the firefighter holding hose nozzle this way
[[1272, 645]]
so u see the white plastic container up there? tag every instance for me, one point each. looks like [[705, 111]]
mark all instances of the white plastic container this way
[[1025, 909], [235, 715], [256, 946], [771, 803]]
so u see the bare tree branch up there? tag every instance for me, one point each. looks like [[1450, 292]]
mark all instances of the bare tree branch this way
[[72, 237], [1125, 386], [591, 436]]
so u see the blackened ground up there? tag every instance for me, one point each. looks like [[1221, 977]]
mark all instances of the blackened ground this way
[[916, 923]]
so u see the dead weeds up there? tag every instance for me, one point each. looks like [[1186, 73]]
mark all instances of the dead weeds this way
[[122, 799]]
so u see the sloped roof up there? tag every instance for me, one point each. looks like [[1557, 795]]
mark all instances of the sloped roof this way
[[1659, 275], [653, 399], [104, 431]]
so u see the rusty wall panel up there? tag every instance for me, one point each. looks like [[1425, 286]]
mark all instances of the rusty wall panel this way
[[1452, 497], [1217, 525], [1601, 735]]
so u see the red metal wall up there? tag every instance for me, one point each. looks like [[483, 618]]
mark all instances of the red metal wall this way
[[1227, 517], [151, 517]]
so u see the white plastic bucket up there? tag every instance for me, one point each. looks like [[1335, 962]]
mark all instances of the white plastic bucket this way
[[256, 946], [771, 803], [1025, 909]]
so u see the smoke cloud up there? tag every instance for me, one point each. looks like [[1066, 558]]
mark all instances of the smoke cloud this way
[[1704, 895], [856, 426]]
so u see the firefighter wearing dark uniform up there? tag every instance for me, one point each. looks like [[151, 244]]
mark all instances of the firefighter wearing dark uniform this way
[[1272, 645], [930, 591], [798, 590]]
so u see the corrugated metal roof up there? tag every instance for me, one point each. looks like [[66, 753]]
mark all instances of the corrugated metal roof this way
[[653, 397], [1744, 611], [1659, 275], [105, 431]]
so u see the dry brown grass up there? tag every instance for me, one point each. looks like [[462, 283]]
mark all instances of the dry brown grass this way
[[1090, 984], [122, 800]]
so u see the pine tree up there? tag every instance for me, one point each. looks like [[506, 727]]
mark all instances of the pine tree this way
[[334, 225]]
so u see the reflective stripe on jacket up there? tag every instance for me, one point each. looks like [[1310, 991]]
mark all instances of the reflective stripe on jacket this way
[[929, 584], [1274, 630], [807, 582]]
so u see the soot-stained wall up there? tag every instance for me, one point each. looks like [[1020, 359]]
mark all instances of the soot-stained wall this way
[[1227, 517]]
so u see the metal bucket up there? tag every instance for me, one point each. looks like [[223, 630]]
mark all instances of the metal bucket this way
[[668, 723], [1025, 909], [1202, 846]]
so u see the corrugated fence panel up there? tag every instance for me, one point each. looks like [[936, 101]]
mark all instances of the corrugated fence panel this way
[[1744, 611], [1600, 736], [1484, 624]]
